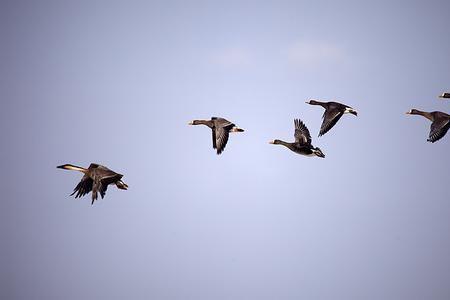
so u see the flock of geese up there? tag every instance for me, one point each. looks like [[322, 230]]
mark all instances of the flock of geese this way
[[96, 178]]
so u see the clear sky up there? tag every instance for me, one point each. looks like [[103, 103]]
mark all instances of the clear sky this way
[[116, 82]]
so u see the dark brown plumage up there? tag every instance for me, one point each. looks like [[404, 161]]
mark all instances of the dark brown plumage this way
[[302, 144], [440, 123], [333, 112], [220, 131], [96, 179]]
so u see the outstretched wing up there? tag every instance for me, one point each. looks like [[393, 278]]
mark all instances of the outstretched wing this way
[[221, 122], [302, 135], [93, 166], [103, 173], [221, 138], [95, 190], [104, 177], [214, 138], [102, 187], [221, 133], [83, 187], [330, 118], [98, 187], [438, 129]]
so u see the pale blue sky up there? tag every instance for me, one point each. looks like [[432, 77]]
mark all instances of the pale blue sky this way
[[116, 82]]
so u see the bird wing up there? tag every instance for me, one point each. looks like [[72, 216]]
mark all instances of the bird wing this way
[[214, 138], [438, 129], [103, 173], [221, 132], [302, 135], [221, 122], [221, 138], [102, 178], [95, 189], [102, 187], [330, 118], [83, 187]]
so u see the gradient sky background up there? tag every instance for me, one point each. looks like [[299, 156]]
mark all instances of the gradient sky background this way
[[116, 82]]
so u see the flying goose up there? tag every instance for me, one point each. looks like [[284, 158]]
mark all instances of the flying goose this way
[[96, 179], [220, 130], [302, 144], [439, 126], [333, 112], [445, 95]]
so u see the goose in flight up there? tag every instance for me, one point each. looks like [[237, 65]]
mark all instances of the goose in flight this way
[[333, 112], [440, 123], [220, 130], [96, 179], [302, 144]]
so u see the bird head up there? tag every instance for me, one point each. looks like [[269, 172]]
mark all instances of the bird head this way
[[313, 102], [412, 112], [275, 142]]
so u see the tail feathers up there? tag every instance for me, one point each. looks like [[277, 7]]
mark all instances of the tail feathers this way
[[121, 185], [237, 129]]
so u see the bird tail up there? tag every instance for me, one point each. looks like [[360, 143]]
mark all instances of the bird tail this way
[[236, 129], [121, 185]]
